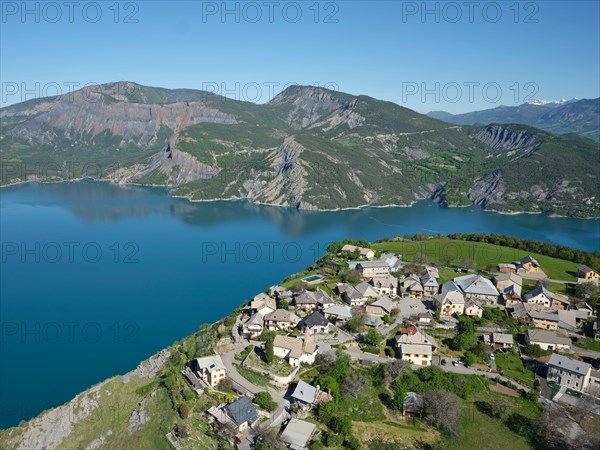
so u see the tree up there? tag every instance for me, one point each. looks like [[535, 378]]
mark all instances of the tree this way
[[325, 362], [184, 410], [443, 410], [299, 286], [352, 276], [354, 385], [335, 247], [342, 425], [399, 395], [393, 370], [356, 323], [330, 384], [469, 263], [341, 367], [269, 350], [352, 443], [420, 258], [284, 304], [264, 400], [587, 291], [373, 337]]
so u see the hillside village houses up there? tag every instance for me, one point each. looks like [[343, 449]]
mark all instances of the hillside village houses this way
[[548, 340], [451, 300], [280, 319], [415, 346], [295, 350], [569, 372], [473, 309], [262, 304], [542, 296], [529, 266], [588, 274], [209, 369], [370, 269], [365, 253]]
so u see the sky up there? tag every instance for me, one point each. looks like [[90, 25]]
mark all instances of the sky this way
[[451, 56]]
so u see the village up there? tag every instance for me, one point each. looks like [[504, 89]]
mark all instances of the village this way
[[505, 325]]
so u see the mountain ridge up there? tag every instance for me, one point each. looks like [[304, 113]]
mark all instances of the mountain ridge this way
[[581, 116], [308, 148]]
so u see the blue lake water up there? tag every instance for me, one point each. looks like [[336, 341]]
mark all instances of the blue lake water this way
[[95, 277]]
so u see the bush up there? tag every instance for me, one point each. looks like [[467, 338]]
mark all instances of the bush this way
[[342, 425], [317, 445], [373, 338], [184, 410], [265, 401], [352, 443], [334, 440]]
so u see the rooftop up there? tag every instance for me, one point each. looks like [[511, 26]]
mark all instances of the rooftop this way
[[569, 364], [242, 410], [297, 433], [304, 392]]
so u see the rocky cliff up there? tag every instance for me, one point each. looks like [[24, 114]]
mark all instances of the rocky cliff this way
[[308, 148]]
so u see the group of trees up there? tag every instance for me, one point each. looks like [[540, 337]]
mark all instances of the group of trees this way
[[467, 341], [542, 248]]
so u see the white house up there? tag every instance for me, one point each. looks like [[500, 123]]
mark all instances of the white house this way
[[476, 287], [280, 319], [569, 372], [295, 350], [415, 346], [253, 326], [387, 285], [451, 300], [370, 269], [542, 296], [262, 304], [548, 340], [366, 253]]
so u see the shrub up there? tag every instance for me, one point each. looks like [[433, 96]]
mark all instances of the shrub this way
[[352, 443], [264, 400], [184, 410]]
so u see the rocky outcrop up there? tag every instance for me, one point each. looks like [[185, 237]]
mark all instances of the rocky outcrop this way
[[310, 105], [487, 189], [507, 138]]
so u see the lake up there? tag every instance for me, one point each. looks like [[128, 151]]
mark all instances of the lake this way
[[96, 277]]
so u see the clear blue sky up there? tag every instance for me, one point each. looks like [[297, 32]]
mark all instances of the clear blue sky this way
[[388, 50]]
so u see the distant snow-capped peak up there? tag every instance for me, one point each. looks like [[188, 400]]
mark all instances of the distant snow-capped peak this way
[[539, 102]]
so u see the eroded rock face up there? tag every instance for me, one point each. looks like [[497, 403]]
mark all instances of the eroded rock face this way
[[488, 189], [93, 114], [505, 138], [310, 105]]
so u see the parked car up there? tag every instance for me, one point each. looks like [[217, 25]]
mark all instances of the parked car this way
[[492, 356], [455, 363], [443, 362]]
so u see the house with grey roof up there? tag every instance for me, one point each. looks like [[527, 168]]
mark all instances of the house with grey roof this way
[[262, 304], [253, 326], [411, 287], [430, 284], [242, 412], [308, 395], [380, 308], [298, 433], [295, 350], [476, 287], [569, 372], [370, 269], [530, 267], [366, 290], [350, 294], [451, 300], [387, 285], [314, 323], [280, 319], [209, 369], [413, 405], [501, 341], [338, 312], [544, 297], [311, 300], [548, 340]]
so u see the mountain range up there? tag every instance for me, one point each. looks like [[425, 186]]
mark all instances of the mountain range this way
[[570, 116], [308, 148]]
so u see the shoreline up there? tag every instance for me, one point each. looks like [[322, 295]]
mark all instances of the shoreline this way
[[250, 200]]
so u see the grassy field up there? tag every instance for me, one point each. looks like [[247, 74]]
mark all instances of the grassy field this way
[[590, 344], [512, 366], [114, 416], [486, 256], [483, 432]]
